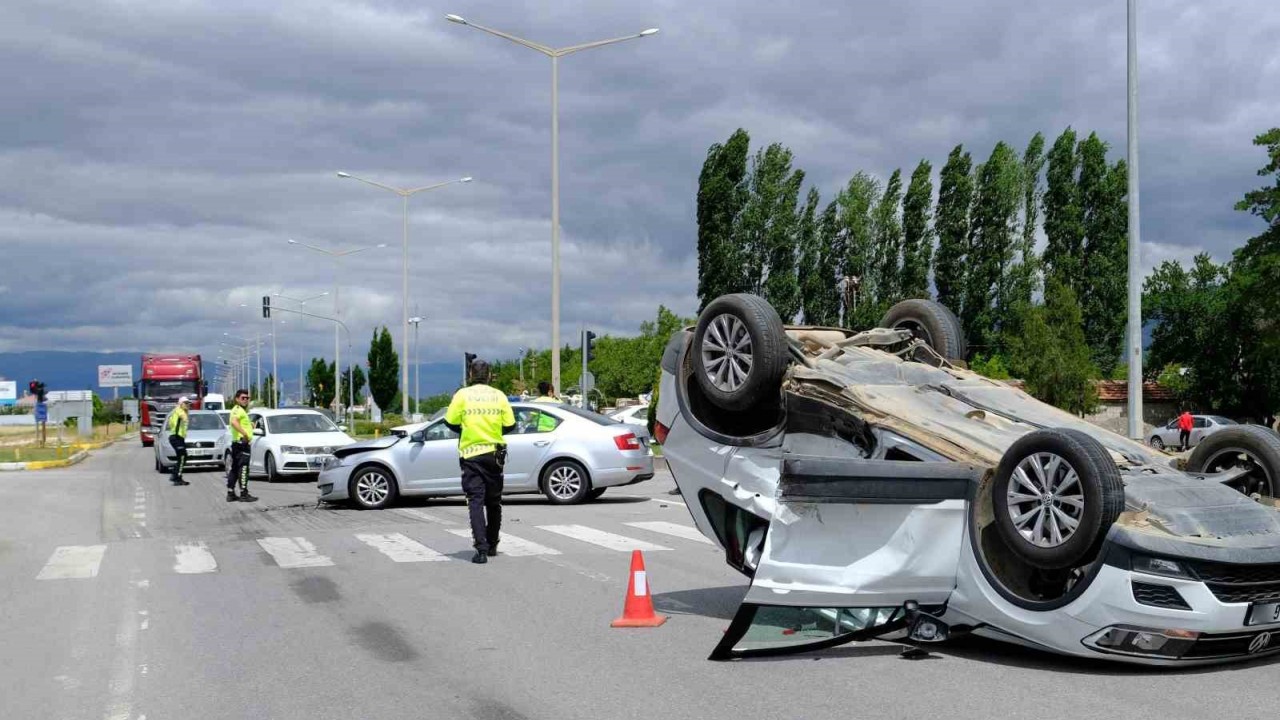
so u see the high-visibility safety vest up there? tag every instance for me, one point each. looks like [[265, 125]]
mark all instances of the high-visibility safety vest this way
[[238, 416], [177, 422], [482, 412]]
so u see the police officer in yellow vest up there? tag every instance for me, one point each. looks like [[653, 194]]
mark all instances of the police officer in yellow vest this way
[[176, 426], [546, 393], [481, 415], [241, 436]]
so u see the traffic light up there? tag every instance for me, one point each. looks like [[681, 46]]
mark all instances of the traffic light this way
[[588, 344], [37, 388], [266, 306]]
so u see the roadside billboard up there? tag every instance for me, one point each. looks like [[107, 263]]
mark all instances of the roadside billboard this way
[[115, 376], [8, 392]]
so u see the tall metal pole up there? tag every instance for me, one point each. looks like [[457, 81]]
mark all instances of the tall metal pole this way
[[337, 364], [275, 369], [1135, 247], [404, 333], [555, 221], [302, 400], [257, 348]]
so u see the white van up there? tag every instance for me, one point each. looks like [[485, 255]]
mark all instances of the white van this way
[[213, 401]]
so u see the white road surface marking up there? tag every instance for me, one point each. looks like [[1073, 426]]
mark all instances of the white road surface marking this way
[[193, 559], [511, 545], [666, 501], [669, 528], [607, 540], [424, 515], [294, 552], [73, 561], [401, 548]]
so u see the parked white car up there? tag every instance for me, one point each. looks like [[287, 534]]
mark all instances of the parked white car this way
[[1168, 436], [292, 442], [632, 415]]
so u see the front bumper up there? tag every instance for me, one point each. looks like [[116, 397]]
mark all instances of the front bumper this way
[[301, 464], [214, 458], [333, 483]]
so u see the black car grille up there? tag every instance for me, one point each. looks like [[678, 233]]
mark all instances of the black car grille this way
[[1239, 583], [1234, 645], [202, 444], [1161, 596]]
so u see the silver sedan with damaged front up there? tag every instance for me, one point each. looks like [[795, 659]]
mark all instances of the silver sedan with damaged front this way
[[568, 454], [871, 487]]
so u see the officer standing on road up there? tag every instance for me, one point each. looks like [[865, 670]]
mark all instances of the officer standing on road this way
[[481, 415], [546, 393], [176, 426], [241, 435]]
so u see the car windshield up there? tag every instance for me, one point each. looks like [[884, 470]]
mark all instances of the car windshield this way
[[204, 421], [1221, 420], [168, 389], [596, 418], [300, 423]]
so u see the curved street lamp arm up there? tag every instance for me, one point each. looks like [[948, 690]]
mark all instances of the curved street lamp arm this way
[[424, 188], [549, 52], [561, 52], [374, 183]]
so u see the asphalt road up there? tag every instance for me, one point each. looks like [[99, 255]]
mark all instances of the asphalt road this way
[[124, 597]]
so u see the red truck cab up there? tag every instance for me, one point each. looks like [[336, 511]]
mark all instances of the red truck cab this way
[[165, 379]]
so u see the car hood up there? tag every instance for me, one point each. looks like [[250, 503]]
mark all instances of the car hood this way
[[206, 435], [366, 445]]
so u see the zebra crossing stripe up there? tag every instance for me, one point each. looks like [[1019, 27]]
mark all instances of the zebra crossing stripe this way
[[607, 540], [401, 548], [193, 559], [669, 528], [423, 515], [293, 552], [70, 562], [511, 545]]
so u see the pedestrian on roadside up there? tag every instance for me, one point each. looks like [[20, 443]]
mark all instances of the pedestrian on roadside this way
[[176, 425], [241, 435], [481, 415], [1185, 423], [547, 393]]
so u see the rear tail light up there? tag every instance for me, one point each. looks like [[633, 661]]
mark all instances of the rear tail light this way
[[660, 433], [627, 442]]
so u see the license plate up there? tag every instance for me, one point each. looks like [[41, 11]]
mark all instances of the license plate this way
[[199, 453], [1264, 614]]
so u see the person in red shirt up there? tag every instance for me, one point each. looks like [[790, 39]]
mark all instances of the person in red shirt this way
[[1185, 423]]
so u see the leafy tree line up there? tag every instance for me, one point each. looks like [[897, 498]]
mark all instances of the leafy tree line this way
[[973, 249]]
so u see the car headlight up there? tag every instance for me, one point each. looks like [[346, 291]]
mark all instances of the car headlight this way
[[331, 462], [1160, 566], [291, 450]]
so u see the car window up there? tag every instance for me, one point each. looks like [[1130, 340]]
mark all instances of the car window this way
[[530, 421], [204, 421], [1172, 424], [1221, 420], [257, 422], [440, 431], [300, 423], [1200, 423], [596, 418]]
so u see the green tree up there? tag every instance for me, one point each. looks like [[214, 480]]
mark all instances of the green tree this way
[[721, 194], [267, 391], [357, 381], [986, 303], [917, 238], [813, 283], [886, 250], [854, 247], [955, 197], [1106, 281], [1063, 214], [384, 368], [1024, 276], [320, 382], [1050, 354], [765, 231], [826, 310]]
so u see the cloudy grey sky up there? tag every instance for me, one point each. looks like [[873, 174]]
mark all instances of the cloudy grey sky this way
[[156, 155]]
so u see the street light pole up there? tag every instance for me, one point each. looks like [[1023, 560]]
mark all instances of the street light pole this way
[[555, 54], [404, 194], [1135, 239], [302, 302], [417, 367]]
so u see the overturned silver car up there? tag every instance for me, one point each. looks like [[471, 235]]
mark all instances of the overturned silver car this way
[[869, 487]]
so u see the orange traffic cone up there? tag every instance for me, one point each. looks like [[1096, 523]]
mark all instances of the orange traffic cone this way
[[638, 611]]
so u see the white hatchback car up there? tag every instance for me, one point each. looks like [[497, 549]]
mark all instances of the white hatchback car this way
[[632, 415], [292, 442]]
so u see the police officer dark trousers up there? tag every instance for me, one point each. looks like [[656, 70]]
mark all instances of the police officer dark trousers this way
[[481, 416], [241, 433], [176, 426]]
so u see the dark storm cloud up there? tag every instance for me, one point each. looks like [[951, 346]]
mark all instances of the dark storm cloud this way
[[157, 156]]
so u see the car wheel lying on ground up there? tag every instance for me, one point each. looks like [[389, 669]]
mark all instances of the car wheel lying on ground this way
[[870, 487]]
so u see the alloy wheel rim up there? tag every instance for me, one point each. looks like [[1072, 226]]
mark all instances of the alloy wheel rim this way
[[564, 482], [1255, 480], [372, 488], [726, 352], [1045, 500]]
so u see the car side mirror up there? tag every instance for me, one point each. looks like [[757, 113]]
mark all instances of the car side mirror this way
[[418, 437], [259, 432], [343, 428]]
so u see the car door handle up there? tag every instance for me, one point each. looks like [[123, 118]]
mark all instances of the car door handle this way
[[541, 443]]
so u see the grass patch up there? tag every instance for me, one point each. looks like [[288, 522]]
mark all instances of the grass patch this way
[[30, 454]]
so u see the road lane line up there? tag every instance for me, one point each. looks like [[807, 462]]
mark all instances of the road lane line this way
[[511, 545], [607, 540], [401, 548], [193, 559], [424, 515], [293, 552], [666, 501], [673, 529], [73, 561]]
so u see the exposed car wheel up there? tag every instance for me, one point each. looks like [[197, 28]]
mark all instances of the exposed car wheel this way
[[226, 463], [596, 493], [159, 466], [372, 488], [565, 482], [1056, 493], [1156, 442], [739, 351], [272, 475], [1256, 448], [931, 322]]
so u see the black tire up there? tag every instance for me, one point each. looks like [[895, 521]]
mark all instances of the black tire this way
[[565, 482], [931, 322], [379, 488], [756, 339], [269, 464], [1156, 442], [1254, 445], [226, 463], [596, 493], [1093, 501], [160, 466]]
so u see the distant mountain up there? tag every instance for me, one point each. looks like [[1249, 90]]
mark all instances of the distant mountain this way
[[79, 371]]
